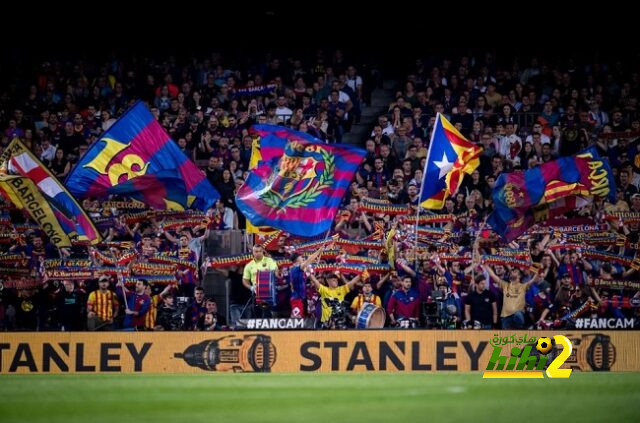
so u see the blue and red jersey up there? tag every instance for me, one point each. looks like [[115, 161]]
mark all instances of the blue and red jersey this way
[[404, 304]]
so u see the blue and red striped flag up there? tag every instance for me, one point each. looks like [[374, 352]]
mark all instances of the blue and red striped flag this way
[[136, 146], [299, 183], [519, 196]]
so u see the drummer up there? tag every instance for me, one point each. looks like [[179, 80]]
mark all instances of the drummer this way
[[259, 263], [366, 296]]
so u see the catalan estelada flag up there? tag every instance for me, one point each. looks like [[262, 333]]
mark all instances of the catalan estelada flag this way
[[137, 146], [450, 156], [299, 183], [19, 160]]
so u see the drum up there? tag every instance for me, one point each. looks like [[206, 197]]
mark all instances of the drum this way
[[370, 317], [266, 288]]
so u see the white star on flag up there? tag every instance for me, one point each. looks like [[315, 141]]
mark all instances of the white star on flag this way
[[444, 165]]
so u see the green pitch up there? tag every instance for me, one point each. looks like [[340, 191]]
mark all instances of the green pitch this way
[[326, 398]]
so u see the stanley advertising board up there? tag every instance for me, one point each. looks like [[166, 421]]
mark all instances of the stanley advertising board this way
[[296, 351]]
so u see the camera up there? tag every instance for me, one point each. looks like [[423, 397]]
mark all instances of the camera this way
[[442, 312], [173, 319], [339, 314]]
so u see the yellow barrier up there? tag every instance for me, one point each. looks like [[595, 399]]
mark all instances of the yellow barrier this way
[[295, 351]]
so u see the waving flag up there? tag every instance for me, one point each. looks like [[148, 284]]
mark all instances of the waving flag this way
[[22, 162], [519, 223], [160, 191], [521, 198], [299, 183], [137, 146], [256, 157], [450, 156], [25, 195]]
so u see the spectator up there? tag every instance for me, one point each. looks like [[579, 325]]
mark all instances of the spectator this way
[[481, 306]]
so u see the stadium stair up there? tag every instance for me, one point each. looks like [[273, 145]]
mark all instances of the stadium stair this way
[[380, 100]]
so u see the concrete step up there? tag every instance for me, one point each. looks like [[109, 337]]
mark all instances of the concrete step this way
[[353, 139], [389, 84], [380, 100], [382, 103], [373, 112]]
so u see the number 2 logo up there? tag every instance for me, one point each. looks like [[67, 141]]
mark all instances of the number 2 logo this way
[[554, 370]]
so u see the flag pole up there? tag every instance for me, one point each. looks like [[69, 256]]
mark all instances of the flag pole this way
[[424, 181]]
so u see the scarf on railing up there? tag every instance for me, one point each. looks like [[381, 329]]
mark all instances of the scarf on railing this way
[[123, 245], [122, 205], [569, 229], [618, 301], [68, 273], [432, 232], [22, 283], [178, 214], [509, 261], [597, 238], [371, 205], [557, 247], [351, 259], [4, 271], [23, 227], [127, 257], [360, 244], [108, 260], [627, 217], [310, 245], [133, 218], [450, 258], [615, 284], [584, 308], [51, 263], [331, 254], [172, 260], [428, 219], [191, 222], [605, 256], [152, 279], [14, 259], [347, 268], [153, 269], [512, 252], [228, 261]]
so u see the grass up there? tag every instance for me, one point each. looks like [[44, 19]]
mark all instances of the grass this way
[[306, 398]]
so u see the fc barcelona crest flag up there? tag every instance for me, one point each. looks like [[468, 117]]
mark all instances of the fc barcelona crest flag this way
[[299, 183], [137, 158]]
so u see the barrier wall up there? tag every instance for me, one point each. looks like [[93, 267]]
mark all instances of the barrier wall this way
[[295, 351]]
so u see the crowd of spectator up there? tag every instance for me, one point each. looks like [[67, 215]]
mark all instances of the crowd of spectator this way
[[523, 114]]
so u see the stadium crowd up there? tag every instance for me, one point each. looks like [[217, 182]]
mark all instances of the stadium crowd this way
[[453, 273]]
